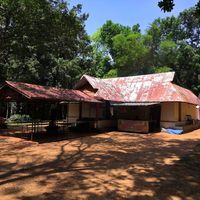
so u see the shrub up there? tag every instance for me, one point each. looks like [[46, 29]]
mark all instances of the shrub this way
[[19, 118]]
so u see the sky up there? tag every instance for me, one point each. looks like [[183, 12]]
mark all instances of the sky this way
[[126, 12]]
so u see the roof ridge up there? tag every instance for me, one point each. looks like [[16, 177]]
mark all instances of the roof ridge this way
[[141, 75], [33, 84]]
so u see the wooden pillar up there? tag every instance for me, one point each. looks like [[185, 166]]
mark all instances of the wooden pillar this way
[[67, 114], [7, 110], [97, 111], [80, 110], [97, 114], [179, 111], [108, 110]]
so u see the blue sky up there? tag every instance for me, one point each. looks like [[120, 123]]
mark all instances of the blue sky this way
[[126, 12]]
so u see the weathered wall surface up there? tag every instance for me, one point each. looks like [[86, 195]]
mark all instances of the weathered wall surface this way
[[88, 110], [169, 112], [188, 109], [133, 126], [106, 124], [133, 113], [73, 112]]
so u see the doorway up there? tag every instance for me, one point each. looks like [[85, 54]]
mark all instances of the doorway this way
[[155, 115]]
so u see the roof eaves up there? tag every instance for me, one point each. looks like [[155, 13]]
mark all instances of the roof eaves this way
[[10, 84]]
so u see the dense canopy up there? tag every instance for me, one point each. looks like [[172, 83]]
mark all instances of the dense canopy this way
[[45, 42]]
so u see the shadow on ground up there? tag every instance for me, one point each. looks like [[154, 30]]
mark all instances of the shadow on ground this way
[[105, 166]]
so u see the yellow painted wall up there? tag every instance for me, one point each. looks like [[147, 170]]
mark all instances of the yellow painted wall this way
[[188, 109], [169, 112], [88, 110], [73, 112]]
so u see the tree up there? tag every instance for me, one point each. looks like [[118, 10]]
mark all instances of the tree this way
[[108, 31], [43, 42], [118, 46], [103, 47], [169, 44], [130, 54], [166, 5], [188, 67], [174, 45]]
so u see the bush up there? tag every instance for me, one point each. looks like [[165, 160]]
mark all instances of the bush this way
[[19, 118]]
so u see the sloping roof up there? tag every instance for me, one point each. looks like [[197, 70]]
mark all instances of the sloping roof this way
[[105, 90], [38, 92], [143, 88]]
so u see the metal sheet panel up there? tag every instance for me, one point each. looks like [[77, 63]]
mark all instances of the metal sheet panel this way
[[143, 88], [133, 104], [38, 92]]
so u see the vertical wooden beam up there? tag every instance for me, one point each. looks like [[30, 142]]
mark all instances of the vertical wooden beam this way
[[97, 111], [97, 114], [80, 110], [67, 113], [179, 111]]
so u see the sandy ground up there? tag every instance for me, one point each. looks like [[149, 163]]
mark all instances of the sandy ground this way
[[112, 165]]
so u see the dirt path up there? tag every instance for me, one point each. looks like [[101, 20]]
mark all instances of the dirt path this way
[[112, 165]]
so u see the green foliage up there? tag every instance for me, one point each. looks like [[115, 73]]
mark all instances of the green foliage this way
[[162, 69], [37, 37], [167, 53], [123, 47], [166, 5], [19, 118], [136, 28], [111, 74], [44, 42], [110, 30], [130, 54], [169, 44]]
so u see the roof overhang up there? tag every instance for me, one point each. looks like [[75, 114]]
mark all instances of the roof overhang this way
[[134, 103], [18, 91]]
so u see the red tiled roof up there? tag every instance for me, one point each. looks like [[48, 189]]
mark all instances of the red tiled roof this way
[[38, 92], [143, 88]]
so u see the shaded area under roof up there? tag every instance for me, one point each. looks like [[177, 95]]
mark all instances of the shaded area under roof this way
[[44, 93]]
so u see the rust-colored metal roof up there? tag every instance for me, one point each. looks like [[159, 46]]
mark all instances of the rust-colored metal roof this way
[[38, 92], [143, 88], [104, 90]]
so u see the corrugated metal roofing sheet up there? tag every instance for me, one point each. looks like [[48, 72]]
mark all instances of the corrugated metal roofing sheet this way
[[133, 104], [143, 88], [38, 92]]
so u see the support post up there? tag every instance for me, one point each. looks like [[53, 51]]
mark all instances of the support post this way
[[97, 114], [179, 111], [80, 110]]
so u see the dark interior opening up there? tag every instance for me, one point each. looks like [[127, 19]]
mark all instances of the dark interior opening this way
[[155, 113]]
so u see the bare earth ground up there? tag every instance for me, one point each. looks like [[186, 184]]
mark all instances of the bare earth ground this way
[[112, 165]]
